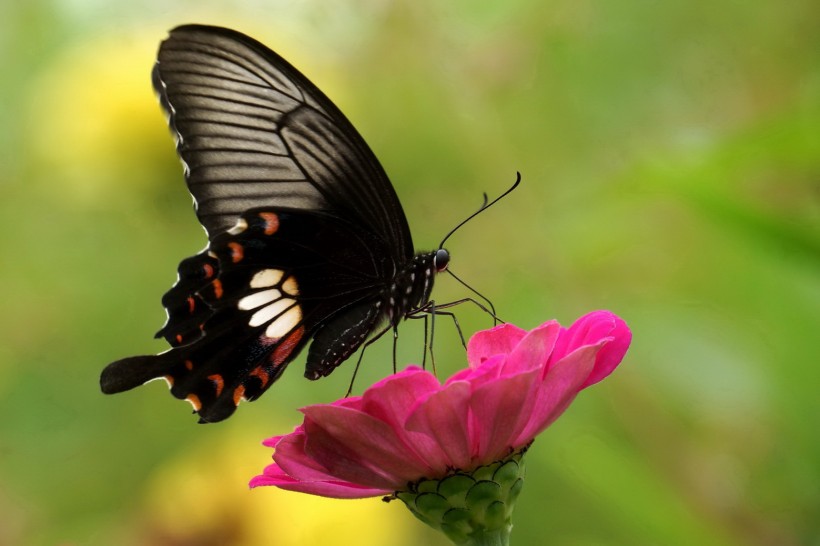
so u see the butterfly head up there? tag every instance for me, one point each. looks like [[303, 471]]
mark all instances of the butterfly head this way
[[440, 259]]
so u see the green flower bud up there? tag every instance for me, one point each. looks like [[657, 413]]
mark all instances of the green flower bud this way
[[470, 507]]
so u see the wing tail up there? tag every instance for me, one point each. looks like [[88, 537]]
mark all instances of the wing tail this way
[[123, 375]]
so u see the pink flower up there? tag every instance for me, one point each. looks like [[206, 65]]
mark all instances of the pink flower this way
[[409, 426]]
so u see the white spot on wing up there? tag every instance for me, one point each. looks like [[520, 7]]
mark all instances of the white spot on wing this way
[[267, 313], [284, 324], [267, 277], [258, 299], [240, 226], [290, 286]]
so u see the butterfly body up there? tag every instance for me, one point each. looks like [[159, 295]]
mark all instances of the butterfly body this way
[[308, 242]]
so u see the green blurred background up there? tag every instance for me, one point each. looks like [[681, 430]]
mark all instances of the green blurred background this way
[[671, 161]]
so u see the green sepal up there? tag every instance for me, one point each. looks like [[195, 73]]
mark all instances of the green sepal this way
[[470, 507]]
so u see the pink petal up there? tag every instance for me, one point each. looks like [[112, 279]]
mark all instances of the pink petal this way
[[298, 472], [483, 370], [271, 442], [489, 370], [289, 455], [534, 350], [359, 448], [499, 340], [587, 330], [557, 390], [444, 418], [392, 399], [591, 329], [354, 402], [501, 410], [612, 353], [275, 476]]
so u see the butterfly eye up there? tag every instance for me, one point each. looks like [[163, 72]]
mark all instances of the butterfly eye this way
[[441, 259]]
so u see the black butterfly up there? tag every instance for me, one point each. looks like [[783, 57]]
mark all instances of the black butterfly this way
[[307, 238]]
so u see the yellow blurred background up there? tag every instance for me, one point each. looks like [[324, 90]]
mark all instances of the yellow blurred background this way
[[671, 161]]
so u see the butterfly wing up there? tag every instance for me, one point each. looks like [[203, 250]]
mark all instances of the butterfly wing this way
[[243, 309], [305, 228], [252, 131]]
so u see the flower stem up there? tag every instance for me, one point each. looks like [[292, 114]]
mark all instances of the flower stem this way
[[494, 537]]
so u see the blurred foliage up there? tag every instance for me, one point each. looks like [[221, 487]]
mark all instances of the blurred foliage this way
[[671, 158]]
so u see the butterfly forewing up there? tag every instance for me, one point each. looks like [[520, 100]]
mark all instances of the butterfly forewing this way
[[254, 132]]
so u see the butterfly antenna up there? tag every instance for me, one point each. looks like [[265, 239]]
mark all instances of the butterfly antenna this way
[[484, 206], [474, 291]]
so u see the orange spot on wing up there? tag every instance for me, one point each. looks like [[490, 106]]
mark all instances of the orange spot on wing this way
[[219, 383], [189, 365], [259, 372], [191, 304], [217, 286], [238, 393], [271, 222], [179, 338], [208, 270], [237, 252], [170, 380], [195, 402], [286, 347]]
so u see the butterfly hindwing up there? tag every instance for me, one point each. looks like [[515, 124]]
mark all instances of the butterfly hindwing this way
[[353, 326], [186, 309], [260, 293]]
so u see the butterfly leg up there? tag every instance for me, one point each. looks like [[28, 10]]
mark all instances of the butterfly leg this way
[[432, 316], [429, 311], [424, 355], [491, 311], [457, 325], [395, 344], [365, 345], [432, 310], [424, 314], [496, 318]]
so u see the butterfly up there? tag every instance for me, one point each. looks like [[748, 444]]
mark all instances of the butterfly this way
[[307, 237]]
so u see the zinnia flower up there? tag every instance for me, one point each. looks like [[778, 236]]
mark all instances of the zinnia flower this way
[[408, 435]]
